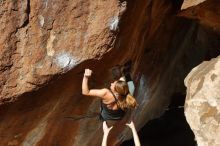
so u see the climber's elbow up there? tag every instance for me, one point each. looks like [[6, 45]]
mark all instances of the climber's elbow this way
[[85, 92]]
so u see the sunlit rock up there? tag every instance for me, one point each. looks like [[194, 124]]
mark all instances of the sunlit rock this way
[[34, 33], [190, 3], [202, 106]]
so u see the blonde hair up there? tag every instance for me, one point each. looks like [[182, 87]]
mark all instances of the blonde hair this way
[[125, 100]]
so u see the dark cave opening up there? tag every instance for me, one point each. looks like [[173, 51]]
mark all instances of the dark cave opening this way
[[171, 129]]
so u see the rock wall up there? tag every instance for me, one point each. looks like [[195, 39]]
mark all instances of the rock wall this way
[[46, 46], [202, 106], [205, 13], [42, 39]]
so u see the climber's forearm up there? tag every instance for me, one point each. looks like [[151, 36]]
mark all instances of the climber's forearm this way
[[106, 131], [104, 140], [135, 136], [85, 88], [134, 132]]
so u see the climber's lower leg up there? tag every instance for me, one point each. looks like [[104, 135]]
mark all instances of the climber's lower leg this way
[[126, 70]]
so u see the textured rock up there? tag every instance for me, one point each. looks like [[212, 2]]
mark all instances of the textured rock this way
[[48, 44], [206, 13], [202, 106], [42, 39], [189, 3]]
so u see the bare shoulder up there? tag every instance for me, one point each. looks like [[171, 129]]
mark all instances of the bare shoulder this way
[[108, 95], [108, 98], [105, 90]]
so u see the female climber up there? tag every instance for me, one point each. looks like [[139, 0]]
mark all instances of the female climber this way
[[115, 101]]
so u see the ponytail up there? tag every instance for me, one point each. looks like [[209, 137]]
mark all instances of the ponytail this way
[[131, 101], [128, 103], [125, 99]]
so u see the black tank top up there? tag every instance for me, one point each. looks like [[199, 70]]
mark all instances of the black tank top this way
[[109, 114]]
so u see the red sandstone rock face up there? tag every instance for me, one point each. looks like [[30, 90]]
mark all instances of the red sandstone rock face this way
[[42, 39], [206, 13], [48, 45]]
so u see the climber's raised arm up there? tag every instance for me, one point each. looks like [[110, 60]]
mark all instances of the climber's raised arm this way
[[134, 132], [106, 131], [91, 92]]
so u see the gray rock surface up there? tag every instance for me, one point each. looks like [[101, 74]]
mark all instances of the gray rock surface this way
[[202, 106]]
